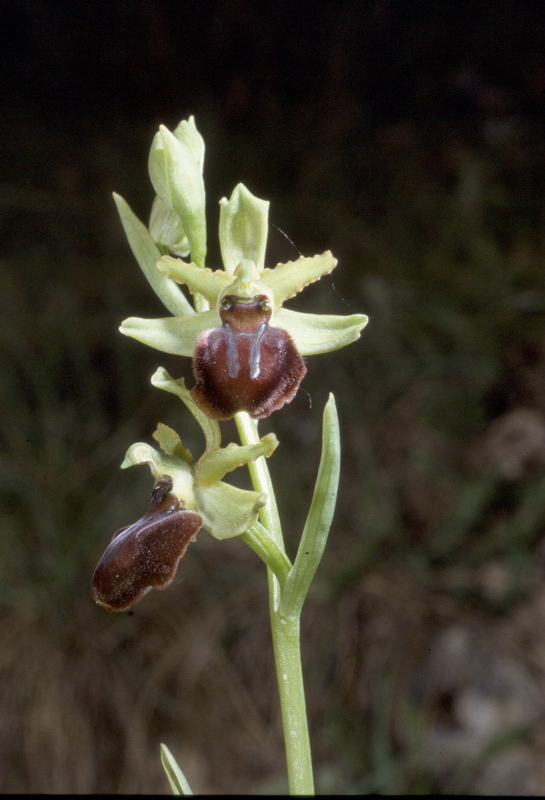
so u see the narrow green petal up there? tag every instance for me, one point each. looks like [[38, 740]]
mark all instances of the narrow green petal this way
[[320, 516], [200, 281], [226, 510], [243, 230], [286, 280], [171, 444], [146, 253], [177, 179], [210, 427], [186, 132], [167, 230], [171, 334], [213, 465], [319, 333], [161, 465]]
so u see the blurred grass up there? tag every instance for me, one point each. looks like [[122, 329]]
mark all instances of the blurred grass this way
[[440, 241]]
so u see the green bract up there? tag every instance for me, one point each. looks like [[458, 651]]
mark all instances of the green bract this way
[[175, 167], [226, 510]]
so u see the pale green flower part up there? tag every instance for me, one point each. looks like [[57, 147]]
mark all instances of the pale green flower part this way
[[167, 230], [176, 161], [175, 166], [226, 510], [311, 333], [243, 230]]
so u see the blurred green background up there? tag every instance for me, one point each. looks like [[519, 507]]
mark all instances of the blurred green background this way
[[409, 139]]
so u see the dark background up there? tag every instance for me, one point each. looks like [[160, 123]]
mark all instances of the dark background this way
[[408, 138]]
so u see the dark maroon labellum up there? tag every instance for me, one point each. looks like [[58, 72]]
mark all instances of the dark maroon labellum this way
[[145, 555], [246, 365]]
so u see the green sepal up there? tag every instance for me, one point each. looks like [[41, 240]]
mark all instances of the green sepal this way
[[147, 254], [162, 465], [176, 335], [319, 518], [171, 444], [213, 465], [187, 134], [226, 510], [166, 228], [210, 427], [319, 333], [286, 280], [207, 282], [243, 228], [177, 179], [176, 778]]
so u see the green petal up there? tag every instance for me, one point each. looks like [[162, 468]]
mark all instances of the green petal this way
[[200, 281], [186, 132], [177, 179], [319, 333], [213, 465], [210, 427], [161, 465], [166, 229], [171, 334], [171, 444], [243, 230], [285, 280], [226, 510], [146, 253]]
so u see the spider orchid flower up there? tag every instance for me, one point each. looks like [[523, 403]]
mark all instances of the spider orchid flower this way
[[246, 347]]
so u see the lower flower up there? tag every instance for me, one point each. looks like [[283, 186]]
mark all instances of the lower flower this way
[[145, 555]]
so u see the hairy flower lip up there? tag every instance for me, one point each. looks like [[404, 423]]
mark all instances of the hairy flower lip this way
[[246, 364], [146, 554], [227, 368]]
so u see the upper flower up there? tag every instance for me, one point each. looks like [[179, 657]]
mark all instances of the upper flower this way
[[246, 347]]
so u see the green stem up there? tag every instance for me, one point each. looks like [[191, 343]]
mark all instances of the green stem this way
[[285, 634]]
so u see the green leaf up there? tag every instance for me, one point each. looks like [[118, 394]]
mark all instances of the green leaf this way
[[286, 280], [176, 335], [243, 230], [147, 254], [207, 282], [320, 516], [210, 427], [176, 778], [319, 333]]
